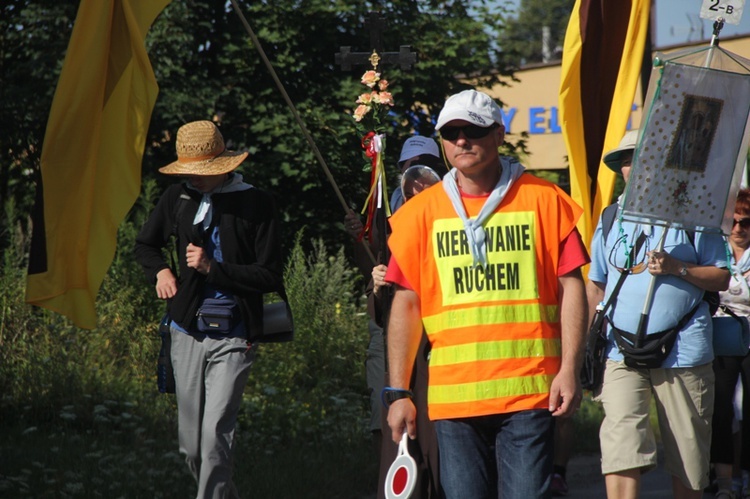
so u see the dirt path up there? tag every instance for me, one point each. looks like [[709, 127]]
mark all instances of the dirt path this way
[[585, 480]]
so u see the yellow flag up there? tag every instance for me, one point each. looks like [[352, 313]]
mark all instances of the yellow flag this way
[[602, 58], [91, 156]]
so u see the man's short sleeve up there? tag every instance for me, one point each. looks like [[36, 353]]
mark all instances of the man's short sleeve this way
[[395, 276], [573, 253]]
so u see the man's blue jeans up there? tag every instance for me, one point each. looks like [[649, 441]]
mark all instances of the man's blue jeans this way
[[499, 456]]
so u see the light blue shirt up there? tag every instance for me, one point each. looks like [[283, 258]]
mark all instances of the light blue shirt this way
[[673, 296]]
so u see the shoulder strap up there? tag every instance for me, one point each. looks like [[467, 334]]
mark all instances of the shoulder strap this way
[[633, 253], [600, 315], [608, 219], [609, 214], [179, 209]]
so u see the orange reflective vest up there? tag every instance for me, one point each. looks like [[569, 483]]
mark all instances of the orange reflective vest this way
[[494, 330]]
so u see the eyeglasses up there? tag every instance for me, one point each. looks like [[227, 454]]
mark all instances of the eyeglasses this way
[[470, 131], [636, 268], [744, 223]]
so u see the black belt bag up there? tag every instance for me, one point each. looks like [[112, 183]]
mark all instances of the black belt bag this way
[[218, 316], [654, 348]]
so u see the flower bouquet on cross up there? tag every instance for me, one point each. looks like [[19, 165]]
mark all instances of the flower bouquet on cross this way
[[370, 118]]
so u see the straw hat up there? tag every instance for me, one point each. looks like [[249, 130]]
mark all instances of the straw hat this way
[[201, 151]]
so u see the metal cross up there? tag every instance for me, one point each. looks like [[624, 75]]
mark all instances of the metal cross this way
[[375, 23]]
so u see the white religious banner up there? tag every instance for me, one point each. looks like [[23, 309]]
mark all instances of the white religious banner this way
[[689, 160]]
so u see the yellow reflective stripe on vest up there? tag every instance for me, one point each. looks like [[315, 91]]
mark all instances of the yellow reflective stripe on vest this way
[[495, 350], [489, 315], [486, 390]]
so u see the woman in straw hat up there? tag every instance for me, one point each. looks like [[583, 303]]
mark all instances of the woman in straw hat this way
[[228, 252]]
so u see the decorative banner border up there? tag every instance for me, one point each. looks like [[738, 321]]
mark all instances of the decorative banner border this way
[[694, 141]]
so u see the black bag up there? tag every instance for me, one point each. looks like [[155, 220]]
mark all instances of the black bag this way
[[595, 357], [653, 351], [278, 322], [592, 371], [164, 371], [653, 348], [218, 316]]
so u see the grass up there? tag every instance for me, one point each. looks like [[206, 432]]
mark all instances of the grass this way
[[118, 452], [81, 418], [586, 422], [588, 419]]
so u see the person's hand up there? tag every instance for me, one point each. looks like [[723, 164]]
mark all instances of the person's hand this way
[[565, 394], [661, 263], [353, 224], [196, 259], [378, 278], [166, 284], [402, 416]]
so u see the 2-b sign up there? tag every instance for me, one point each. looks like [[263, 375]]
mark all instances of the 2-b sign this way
[[728, 10]]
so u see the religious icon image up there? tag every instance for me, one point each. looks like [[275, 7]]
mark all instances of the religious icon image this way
[[695, 133]]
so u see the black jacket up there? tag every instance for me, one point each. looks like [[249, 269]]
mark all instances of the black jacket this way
[[248, 230]]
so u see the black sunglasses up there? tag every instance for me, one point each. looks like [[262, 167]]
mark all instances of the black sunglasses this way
[[743, 223], [470, 131]]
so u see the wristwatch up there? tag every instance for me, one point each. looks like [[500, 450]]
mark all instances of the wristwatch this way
[[390, 395], [683, 271]]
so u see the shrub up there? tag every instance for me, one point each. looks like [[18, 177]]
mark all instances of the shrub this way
[[82, 416], [314, 387]]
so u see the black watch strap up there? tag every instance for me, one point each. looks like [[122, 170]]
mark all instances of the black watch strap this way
[[390, 395]]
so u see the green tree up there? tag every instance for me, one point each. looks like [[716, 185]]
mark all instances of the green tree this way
[[522, 38], [33, 38], [221, 74], [207, 67]]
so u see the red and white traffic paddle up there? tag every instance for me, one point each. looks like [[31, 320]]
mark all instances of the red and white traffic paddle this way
[[402, 475]]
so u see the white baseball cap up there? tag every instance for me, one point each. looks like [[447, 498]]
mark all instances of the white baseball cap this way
[[472, 106], [418, 145]]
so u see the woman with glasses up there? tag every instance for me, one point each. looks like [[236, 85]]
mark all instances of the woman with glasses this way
[[729, 368]]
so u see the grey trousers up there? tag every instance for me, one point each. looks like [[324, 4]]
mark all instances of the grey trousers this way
[[210, 376]]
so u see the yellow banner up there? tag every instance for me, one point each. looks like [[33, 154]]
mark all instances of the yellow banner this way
[[92, 152], [602, 58]]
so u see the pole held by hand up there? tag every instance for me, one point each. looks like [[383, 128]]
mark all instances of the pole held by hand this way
[[296, 115]]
